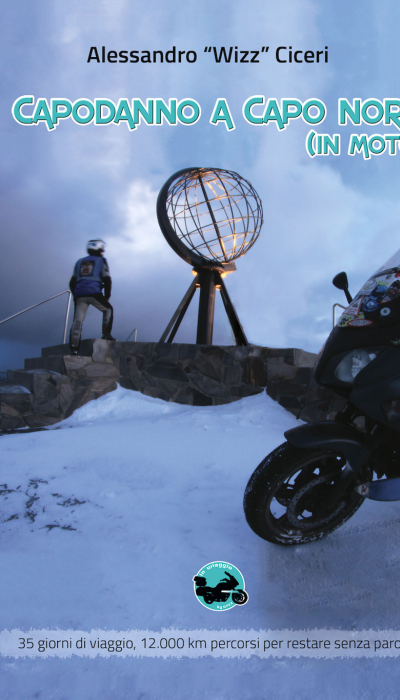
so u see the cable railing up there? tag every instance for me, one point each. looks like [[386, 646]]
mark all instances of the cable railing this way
[[66, 291], [134, 332], [134, 336]]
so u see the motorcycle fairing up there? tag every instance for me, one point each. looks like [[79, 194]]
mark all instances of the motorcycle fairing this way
[[330, 435], [378, 300]]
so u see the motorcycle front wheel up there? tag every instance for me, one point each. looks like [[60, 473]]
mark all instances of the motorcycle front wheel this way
[[240, 597], [290, 498]]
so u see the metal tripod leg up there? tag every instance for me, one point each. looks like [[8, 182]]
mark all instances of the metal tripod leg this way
[[179, 314], [237, 327], [207, 280]]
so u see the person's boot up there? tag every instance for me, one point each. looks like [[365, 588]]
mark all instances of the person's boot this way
[[107, 336], [73, 349], [74, 341]]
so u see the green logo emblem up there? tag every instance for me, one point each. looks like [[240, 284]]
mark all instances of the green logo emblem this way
[[220, 586]]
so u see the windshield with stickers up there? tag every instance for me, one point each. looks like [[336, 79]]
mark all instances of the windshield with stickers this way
[[378, 301]]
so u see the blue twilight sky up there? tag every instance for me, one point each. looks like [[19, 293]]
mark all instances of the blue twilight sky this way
[[60, 188]]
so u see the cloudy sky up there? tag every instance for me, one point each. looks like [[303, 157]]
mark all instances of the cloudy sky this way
[[61, 188]]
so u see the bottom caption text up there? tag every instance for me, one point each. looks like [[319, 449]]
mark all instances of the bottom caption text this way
[[172, 643]]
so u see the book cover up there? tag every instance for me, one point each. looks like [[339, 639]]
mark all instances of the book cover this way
[[110, 516]]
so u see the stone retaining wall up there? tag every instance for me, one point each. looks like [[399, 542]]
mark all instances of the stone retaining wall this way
[[51, 387]]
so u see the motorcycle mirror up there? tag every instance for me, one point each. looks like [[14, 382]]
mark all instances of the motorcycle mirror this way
[[340, 281]]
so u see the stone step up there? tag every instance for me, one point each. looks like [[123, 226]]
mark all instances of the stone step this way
[[85, 349], [53, 363], [15, 402], [26, 377], [7, 387]]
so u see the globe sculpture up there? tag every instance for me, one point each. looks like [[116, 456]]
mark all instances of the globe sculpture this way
[[210, 217]]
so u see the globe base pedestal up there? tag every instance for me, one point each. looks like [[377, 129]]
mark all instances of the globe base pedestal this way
[[208, 280]]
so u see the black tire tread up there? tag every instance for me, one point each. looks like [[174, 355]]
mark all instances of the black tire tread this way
[[281, 463]]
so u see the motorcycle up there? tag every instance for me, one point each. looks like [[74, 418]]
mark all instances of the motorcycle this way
[[314, 482], [221, 592]]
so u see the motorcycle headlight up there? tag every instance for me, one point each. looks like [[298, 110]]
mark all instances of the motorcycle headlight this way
[[353, 363]]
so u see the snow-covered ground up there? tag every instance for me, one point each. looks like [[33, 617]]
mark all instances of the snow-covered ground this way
[[105, 520]]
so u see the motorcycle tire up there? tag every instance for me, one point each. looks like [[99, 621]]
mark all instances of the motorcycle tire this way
[[208, 598], [284, 498], [240, 597]]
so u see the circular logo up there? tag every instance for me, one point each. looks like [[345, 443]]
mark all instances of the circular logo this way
[[369, 305], [220, 586]]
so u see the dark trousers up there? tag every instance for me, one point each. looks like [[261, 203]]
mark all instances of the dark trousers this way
[[81, 306]]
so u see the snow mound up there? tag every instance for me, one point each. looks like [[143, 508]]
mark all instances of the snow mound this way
[[126, 405]]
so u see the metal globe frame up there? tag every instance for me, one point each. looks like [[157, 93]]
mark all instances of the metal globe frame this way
[[209, 217]]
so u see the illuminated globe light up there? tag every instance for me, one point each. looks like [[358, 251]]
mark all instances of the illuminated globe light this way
[[215, 214], [210, 217]]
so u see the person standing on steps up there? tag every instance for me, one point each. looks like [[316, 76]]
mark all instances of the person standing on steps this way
[[90, 277]]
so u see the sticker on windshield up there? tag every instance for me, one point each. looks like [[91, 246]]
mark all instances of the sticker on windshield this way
[[359, 322]]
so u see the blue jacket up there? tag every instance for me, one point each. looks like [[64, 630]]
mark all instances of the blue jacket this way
[[89, 273]]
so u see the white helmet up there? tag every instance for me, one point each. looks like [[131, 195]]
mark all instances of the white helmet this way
[[96, 245]]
